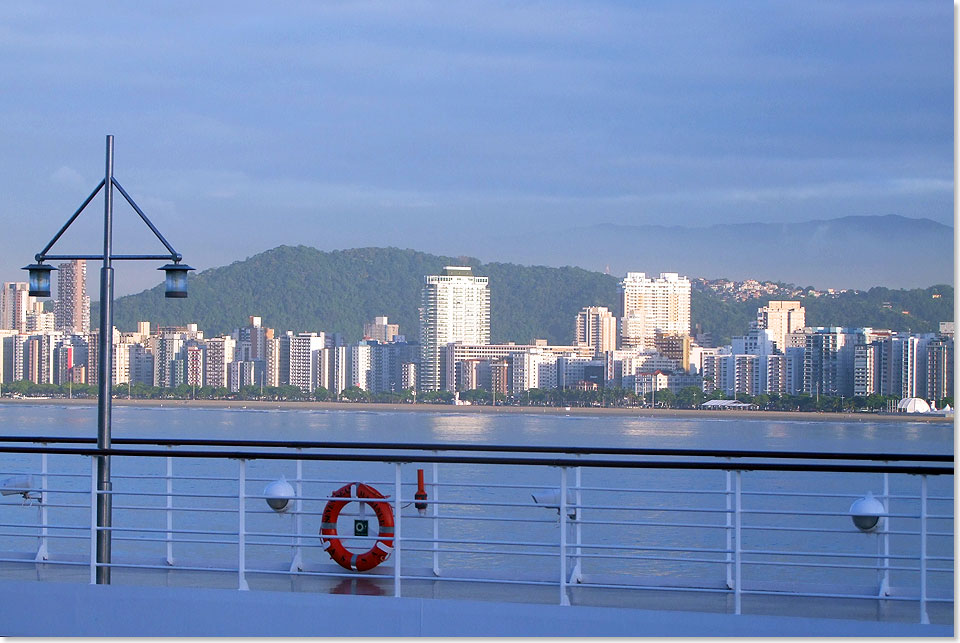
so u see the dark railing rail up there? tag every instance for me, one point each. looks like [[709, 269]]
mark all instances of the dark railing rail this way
[[514, 448], [725, 460]]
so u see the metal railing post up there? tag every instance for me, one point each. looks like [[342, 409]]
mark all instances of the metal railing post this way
[[242, 527], [93, 520], [296, 565], [885, 538], [564, 599], [738, 553], [397, 533], [728, 496], [436, 520], [42, 553], [577, 575], [924, 618], [169, 511]]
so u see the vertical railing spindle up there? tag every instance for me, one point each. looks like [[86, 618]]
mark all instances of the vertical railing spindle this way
[[396, 531], [564, 599], [93, 521], [169, 511], [436, 520], [242, 527], [729, 530], [738, 554], [924, 618], [42, 553], [297, 564]]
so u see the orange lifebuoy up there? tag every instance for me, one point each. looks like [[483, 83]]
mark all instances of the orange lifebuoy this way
[[381, 549]]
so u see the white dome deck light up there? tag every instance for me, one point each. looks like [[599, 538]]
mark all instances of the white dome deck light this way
[[278, 495], [867, 513]]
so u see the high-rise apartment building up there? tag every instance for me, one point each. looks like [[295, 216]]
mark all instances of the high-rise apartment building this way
[[651, 305], [72, 307], [219, 355], [781, 318], [454, 307], [305, 360], [596, 326], [15, 303]]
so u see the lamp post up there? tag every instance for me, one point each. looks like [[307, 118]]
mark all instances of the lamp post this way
[[176, 286]]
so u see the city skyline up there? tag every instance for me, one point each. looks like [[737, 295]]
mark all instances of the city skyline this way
[[435, 126]]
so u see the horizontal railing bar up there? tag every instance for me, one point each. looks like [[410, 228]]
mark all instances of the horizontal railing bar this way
[[830, 514], [705, 550], [657, 588], [772, 563], [646, 508], [890, 597], [185, 568], [449, 550], [895, 532], [645, 523], [672, 559], [545, 462], [774, 552], [710, 453]]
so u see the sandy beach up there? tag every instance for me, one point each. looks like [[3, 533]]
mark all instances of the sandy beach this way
[[449, 408]]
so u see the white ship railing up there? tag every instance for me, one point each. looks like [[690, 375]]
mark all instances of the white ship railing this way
[[719, 524]]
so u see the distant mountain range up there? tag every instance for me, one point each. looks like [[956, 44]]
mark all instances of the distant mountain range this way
[[847, 252], [305, 289]]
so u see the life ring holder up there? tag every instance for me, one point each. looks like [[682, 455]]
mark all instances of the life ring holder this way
[[380, 550]]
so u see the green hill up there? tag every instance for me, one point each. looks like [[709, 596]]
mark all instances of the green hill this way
[[303, 289]]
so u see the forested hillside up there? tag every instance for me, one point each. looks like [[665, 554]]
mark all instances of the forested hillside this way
[[303, 289]]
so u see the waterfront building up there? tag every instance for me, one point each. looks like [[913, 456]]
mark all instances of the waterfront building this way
[[141, 364], [167, 349], [674, 347], [828, 367], [38, 321], [865, 380], [642, 383], [454, 307], [193, 364], [243, 373], [7, 339], [650, 305], [72, 307], [780, 318], [533, 368], [272, 360], [305, 360], [455, 353], [219, 355], [360, 365], [15, 303], [596, 326], [387, 364], [572, 369], [940, 368], [379, 330], [408, 375]]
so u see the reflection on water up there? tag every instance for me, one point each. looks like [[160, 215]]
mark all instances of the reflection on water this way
[[493, 428], [475, 427]]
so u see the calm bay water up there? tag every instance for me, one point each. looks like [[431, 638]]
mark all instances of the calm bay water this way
[[515, 429]]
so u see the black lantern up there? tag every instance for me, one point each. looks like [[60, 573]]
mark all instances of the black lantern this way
[[176, 279], [39, 279]]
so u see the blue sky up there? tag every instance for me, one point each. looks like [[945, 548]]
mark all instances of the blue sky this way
[[244, 125]]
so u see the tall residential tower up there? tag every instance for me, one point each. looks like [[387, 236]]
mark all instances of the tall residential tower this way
[[454, 307], [650, 305]]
